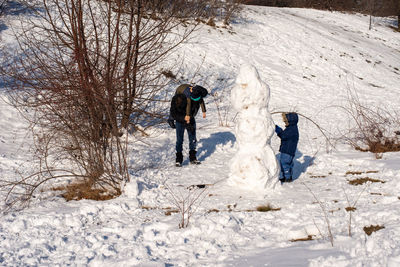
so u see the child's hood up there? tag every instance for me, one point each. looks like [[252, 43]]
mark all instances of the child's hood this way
[[292, 118]]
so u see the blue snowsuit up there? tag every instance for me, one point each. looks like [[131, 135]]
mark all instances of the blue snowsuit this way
[[289, 139]]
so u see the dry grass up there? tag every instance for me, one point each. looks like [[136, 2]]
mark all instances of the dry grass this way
[[372, 228], [262, 208], [360, 181], [213, 210], [308, 238], [353, 173], [350, 209], [169, 211], [359, 172], [266, 208], [211, 22], [381, 146], [317, 176], [86, 190]]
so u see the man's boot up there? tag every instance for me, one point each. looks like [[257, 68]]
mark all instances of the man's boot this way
[[179, 159], [192, 157]]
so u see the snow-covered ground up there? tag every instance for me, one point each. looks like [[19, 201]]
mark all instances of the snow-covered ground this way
[[310, 59]]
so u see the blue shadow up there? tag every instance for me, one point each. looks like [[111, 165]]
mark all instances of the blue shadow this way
[[209, 144]]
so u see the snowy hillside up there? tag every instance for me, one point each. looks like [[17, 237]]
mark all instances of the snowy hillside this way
[[311, 60]]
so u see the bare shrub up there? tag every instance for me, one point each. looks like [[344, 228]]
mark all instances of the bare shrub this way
[[3, 4], [222, 110], [221, 10], [185, 200], [84, 73], [230, 10], [378, 7], [325, 214], [352, 206], [377, 129]]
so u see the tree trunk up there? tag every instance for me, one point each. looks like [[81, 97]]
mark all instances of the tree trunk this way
[[398, 15]]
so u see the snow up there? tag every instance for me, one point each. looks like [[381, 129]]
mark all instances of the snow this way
[[309, 59], [254, 166]]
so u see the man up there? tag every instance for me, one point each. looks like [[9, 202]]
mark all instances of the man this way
[[184, 107]]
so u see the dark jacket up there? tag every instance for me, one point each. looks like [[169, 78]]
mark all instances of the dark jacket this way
[[178, 108], [289, 136]]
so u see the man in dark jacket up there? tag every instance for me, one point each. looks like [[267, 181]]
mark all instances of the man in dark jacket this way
[[181, 118], [289, 139]]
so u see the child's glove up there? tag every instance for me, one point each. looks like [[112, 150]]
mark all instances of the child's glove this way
[[171, 123], [278, 129]]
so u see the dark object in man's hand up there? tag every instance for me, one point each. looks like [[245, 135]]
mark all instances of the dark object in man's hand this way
[[190, 127], [172, 124]]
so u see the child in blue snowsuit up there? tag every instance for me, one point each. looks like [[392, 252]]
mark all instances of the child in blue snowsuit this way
[[289, 139]]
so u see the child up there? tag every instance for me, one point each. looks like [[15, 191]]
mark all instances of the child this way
[[289, 139]]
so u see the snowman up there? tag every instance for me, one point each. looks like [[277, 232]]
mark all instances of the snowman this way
[[254, 166]]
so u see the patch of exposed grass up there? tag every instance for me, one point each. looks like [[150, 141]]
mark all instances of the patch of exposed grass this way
[[213, 210], [169, 211], [350, 209], [353, 173], [308, 238], [381, 146], [231, 207], [262, 208], [359, 172], [317, 176], [266, 208], [360, 181], [372, 228], [85, 190]]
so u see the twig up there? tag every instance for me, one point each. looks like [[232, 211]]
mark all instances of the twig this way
[[319, 127], [324, 212], [351, 206]]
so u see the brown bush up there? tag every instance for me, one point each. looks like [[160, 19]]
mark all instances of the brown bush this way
[[88, 72], [374, 7], [375, 128]]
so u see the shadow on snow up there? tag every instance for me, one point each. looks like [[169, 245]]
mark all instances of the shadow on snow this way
[[209, 144]]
